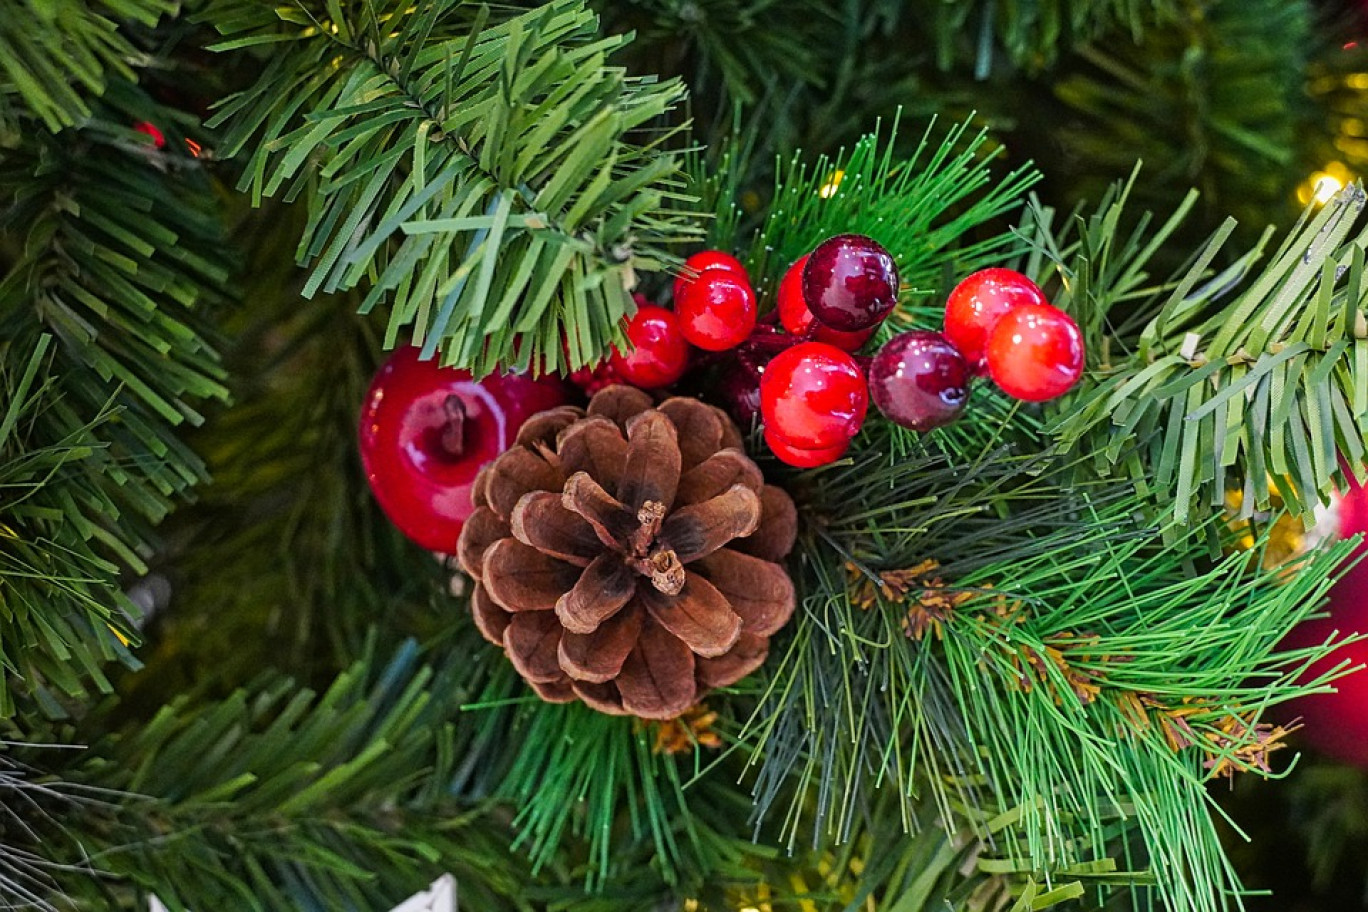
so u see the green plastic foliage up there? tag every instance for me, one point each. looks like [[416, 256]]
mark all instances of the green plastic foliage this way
[[471, 168], [1034, 33], [1214, 99], [1038, 713], [55, 54], [1238, 378], [102, 317], [922, 205]]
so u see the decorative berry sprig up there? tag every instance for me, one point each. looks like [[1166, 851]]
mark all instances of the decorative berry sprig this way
[[426, 431]]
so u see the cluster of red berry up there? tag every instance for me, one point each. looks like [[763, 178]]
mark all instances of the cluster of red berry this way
[[997, 322], [802, 377]]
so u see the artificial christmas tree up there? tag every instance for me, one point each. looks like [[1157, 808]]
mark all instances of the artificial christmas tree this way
[[986, 646]]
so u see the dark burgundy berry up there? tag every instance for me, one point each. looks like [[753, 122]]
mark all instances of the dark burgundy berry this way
[[850, 282], [739, 391], [919, 380]]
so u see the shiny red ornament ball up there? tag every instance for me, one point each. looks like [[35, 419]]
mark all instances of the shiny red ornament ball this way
[[976, 305], [795, 316], [804, 459], [813, 396], [1337, 723], [425, 431], [659, 353], [702, 262], [717, 310], [1035, 352]]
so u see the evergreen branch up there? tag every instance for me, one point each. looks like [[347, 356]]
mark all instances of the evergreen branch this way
[[1261, 387], [64, 613], [476, 173], [118, 262], [1035, 33], [1015, 660], [1213, 99], [55, 55], [921, 207], [275, 798]]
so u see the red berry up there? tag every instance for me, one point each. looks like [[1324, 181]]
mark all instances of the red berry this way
[[717, 310], [425, 431], [977, 303], [798, 320], [703, 261], [850, 282], [151, 129], [659, 353], [804, 459], [813, 396], [1035, 352], [919, 380]]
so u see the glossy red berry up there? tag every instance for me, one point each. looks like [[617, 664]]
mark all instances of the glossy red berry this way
[[804, 459], [702, 262], [425, 431], [813, 396], [978, 302], [659, 353], [795, 317], [1035, 352], [919, 380], [850, 282], [717, 310]]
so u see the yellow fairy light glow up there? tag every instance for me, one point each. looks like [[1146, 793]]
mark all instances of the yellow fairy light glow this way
[[1357, 80], [1322, 186], [832, 185]]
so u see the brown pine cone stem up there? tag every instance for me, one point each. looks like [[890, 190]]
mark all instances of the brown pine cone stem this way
[[629, 555]]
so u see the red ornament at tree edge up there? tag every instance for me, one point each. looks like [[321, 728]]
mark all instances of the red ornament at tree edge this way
[[426, 431], [702, 262], [1035, 352], [1337, 723]]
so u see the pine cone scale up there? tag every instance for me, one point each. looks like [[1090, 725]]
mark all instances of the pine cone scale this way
[[697, 530], [482, 529], [520, 578], [747, 655], [760, 592], [601, 591], [699, 428], [651, 472], [607, 516], [700, 616], [541, 520], [716, 474], [514, 474], [533, 643], [598, 657], [596, 447], [657, 680]]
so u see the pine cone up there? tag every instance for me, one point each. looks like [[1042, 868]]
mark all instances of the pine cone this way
[[629, 555]]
